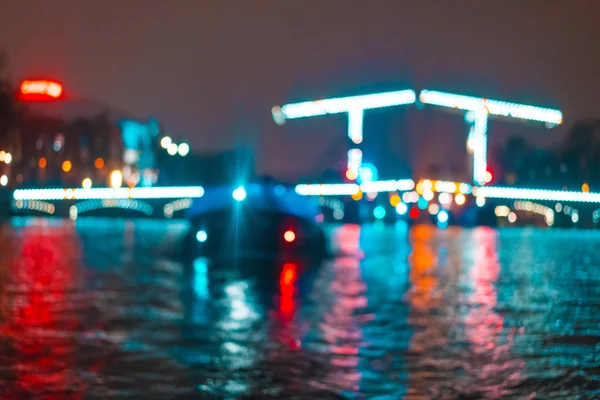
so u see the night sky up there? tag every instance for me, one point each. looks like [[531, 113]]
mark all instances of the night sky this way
[[212, 70]]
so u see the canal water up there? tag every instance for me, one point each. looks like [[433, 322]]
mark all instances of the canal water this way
[[109, 309]]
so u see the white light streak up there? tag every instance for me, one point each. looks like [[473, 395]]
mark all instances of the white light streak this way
[[354, 160], [479, 146], [495, 192], [109, 193], [388, 186], [355, 125], [347, 104], [347, 189], [336, 189], [493, 107]]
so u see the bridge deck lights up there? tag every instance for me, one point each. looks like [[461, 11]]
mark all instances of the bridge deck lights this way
[[478, 110]]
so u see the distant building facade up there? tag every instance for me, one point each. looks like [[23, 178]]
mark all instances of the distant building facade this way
[[61, 141]]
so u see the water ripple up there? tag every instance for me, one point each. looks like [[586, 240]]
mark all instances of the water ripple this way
[[107, 309]]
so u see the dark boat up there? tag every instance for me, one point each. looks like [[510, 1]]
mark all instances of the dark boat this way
[[260, 219]]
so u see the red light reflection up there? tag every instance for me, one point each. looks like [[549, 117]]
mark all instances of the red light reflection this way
[[287, 283], [36, 323]]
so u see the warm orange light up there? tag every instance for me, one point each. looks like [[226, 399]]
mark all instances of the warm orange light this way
[[419, 187], [394, 200], [351, 175], [66, 166], [42, 163], [289, 236], [99, 163], [42, 88], [585, 188], [357, 196]]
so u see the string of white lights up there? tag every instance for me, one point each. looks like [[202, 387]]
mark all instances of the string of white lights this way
[[108, 193]]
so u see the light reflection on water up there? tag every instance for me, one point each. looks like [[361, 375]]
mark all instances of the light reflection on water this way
[[106, 308]]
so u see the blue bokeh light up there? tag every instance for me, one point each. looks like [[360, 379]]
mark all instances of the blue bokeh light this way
[[379, 212], [201, 236], [367, 173], [239, 194]]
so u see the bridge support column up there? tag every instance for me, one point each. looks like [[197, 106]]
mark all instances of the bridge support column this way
[[477, 143], [355, 134]]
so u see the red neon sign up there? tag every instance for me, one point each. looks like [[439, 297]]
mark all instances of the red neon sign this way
[[41, 89]]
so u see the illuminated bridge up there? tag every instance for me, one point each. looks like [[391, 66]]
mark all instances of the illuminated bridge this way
[[440, 198], [441, 201], [161, 202]]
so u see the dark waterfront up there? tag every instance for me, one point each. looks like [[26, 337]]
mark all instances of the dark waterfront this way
[[106, 309]]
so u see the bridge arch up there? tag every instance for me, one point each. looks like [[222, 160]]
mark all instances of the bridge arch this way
[[176, 205], [336, 206], [127, 204], [35, 205], [537, 209]]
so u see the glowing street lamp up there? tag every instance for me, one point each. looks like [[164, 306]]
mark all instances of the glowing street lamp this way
[[86, 183], [165, 142], [183, 149], [66, 166], [172, 149], [116, 179]]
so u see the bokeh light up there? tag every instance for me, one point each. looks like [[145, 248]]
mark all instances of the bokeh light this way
[[86, 183], [239, 194], [116, 179], [165, 142], [183, 149], [66, 165], [289, 236], [443, 216], [201, 236], [401, 208], [379, 212], [172, 149]]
